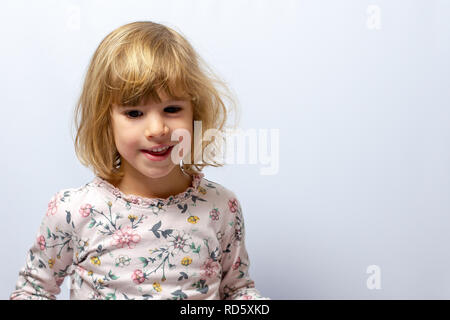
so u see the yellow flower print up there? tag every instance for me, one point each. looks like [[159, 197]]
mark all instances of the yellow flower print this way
[[202, 190], [51, 263], [186, 261], [193, 219], [95, 260], [157, 286], [90, 273], [132, 217], [109, 203]]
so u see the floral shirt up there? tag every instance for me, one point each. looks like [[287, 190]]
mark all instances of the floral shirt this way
[[118, 246]]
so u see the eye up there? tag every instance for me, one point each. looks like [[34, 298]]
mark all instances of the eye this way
[[136, 113], [173, 109], [132, 113]]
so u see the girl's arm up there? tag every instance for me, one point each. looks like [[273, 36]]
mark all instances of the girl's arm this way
[[236, 283], [50, 257]]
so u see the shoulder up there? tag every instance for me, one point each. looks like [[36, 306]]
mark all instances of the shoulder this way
[[218, 191], [64, 202], [69, 196], [225, 200], [230, 212]]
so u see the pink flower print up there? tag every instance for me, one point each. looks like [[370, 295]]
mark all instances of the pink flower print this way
[[237, 263], [52, 206], [126, 237], [233, 205], [247, 297], [41, 242], [85, 210], [133, 199], [210, 268], [214, 214], [138, 276]]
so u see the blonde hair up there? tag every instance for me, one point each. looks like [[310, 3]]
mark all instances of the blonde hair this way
[[131, 64]]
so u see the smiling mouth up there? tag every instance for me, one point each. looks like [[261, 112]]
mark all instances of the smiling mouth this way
[[160, 153]]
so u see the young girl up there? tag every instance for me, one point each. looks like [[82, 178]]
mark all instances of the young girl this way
[[147, 226]]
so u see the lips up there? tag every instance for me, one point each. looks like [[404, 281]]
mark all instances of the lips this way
[[157, 156], [160, 146], [158, 153]]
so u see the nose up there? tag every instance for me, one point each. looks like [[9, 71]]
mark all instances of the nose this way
[[156, 127]]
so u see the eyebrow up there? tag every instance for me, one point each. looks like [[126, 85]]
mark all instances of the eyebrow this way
[[140, 106]]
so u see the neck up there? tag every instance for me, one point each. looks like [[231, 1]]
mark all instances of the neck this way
[[172, 184]]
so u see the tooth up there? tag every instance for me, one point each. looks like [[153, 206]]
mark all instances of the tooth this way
[[160, 149]]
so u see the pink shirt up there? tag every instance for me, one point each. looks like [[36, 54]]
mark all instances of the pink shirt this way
[[118, 246]]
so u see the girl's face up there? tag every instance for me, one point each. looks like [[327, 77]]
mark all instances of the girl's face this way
[[148, 125]]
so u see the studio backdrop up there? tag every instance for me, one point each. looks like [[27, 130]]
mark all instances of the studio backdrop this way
[[342, 161]]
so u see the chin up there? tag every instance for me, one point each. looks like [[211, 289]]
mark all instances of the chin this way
[[156, 172]]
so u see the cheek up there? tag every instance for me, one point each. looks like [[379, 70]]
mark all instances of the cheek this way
[[126, 140], [187, 138], [186, 124]]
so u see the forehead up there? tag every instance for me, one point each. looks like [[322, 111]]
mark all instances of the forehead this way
[[165, 99]]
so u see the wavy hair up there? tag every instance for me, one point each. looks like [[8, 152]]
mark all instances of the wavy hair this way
[[131, 64]]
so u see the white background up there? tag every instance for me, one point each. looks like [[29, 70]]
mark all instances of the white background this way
[[362, 104]]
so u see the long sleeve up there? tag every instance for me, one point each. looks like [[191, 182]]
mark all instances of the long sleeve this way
[[236, 283], [50, 257]]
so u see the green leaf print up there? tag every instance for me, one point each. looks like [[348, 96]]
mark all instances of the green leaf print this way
[[179, 295], [92, 223], [201, 286], [195, 198], [165, 233], [112, 276], [100, 250], [68, 217], [227, 250], [182, 208], [110, 296], [41, 264], [155, 229], [143, 260], [126, 297], [156, 226], [195, 250], [183, 276]]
